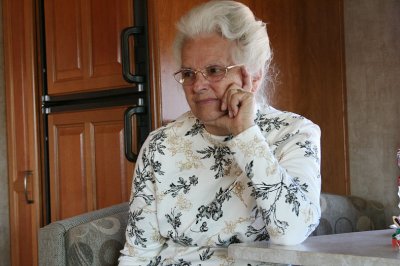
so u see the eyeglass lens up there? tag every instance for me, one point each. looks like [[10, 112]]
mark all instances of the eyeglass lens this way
[[211, 73]]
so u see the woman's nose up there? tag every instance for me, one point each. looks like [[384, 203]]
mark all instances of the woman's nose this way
[[200, 82]]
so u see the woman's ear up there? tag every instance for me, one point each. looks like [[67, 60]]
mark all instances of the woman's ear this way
[[256, 80]]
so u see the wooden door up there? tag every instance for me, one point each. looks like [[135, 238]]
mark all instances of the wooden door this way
[[88, 169], [22, 129], [307, 41], [83, 44]]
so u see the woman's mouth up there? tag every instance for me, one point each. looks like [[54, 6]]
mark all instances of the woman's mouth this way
[[207, 101]]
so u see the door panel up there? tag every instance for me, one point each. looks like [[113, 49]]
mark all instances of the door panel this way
[[110, 164], [64, 41], [69, 180], [88, 169], [24, 223], [108, 18], [22, 129], [83, 44], [307, 40]]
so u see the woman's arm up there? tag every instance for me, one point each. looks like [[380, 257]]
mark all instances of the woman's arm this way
[[143, 240], [285, 181]]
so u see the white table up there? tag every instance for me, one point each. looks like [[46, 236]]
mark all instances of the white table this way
[[359, 248]]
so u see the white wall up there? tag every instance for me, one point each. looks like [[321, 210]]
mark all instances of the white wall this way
[[372, 45]]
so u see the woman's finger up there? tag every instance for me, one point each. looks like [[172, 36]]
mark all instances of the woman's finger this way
[[235, 93], [235, 99], [246, 79], [235, 102]]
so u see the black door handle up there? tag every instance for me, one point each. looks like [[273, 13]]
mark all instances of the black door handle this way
[[129, 113], [127, 73]]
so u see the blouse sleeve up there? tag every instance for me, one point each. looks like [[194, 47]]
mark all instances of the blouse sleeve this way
[[284, 178], [143, 240]]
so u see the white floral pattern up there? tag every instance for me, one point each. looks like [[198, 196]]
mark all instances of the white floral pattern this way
[[203, 192]]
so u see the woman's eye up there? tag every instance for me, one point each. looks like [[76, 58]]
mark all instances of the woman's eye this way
[[215, 70], [187, 74]]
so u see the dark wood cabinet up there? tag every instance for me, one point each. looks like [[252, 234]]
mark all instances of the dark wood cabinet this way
[[83, 44], [88, 169]]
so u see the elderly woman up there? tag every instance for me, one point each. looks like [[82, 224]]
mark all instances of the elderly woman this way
[[232, 169]]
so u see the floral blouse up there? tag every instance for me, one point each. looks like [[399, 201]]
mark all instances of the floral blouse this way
[[195, 193]]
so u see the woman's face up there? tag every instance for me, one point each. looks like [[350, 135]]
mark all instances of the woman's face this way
[[204, 96]]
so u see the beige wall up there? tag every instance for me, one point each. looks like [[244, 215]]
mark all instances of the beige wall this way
[[4, 214], [372, 39]]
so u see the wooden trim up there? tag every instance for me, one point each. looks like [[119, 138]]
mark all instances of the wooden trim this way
[[154, 66], [90, 159], [19, 22], [347, 185], [10, 118]]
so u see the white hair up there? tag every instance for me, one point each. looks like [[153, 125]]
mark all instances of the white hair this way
[[235, 22]]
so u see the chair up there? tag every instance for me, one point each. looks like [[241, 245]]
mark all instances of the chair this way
[[95, 238]]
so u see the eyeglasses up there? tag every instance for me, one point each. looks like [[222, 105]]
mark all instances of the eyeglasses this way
[[213, 73]]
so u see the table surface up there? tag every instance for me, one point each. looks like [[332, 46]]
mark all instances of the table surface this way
[[358, 248]]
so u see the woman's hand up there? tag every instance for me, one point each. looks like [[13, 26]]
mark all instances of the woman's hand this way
[[239, 104]]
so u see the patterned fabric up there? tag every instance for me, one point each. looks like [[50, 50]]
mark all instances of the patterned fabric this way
[[345, 214], [103, 241], [195, 193], [93, 238]]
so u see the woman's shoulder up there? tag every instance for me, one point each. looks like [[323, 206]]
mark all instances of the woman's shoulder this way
[[176, 127]]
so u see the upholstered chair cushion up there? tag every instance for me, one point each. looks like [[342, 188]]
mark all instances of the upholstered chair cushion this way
[[94, 238], [344, 214]]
